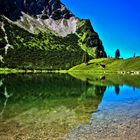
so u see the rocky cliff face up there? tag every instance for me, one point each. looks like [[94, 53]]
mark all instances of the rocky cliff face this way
[[40, 14], [43, 8], [44, 34]]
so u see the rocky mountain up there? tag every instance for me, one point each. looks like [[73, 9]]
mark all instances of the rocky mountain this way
[[45, 8], [44, 34]]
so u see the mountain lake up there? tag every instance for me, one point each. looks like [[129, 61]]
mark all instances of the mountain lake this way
[[58, 106]]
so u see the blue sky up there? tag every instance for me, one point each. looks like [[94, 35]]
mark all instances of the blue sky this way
[[116, 21]]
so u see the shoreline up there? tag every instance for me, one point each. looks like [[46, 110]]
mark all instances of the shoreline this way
[[94, 66], [14, 71]]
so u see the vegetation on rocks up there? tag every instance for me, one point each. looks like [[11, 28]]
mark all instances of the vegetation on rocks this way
[[41, 51], [89, 39], [46, 51]]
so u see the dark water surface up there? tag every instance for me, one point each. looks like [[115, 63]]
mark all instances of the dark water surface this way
[[56, 106]]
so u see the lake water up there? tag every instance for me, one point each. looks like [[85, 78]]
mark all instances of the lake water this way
[[58, 106]]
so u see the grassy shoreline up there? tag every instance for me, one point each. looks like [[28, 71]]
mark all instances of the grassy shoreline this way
[[110, 65], [8, 71], [98, 66]]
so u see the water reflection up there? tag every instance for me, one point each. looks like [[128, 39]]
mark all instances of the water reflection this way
[[45, 106], [117, 89], [117, 117], [7, 96], [55, 106]]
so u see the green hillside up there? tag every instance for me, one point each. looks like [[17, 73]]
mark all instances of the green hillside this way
[[102, 65], [45, 50], [39, 51], [115, 72]]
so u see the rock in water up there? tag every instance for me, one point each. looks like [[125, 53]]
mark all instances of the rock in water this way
[[44, 34]]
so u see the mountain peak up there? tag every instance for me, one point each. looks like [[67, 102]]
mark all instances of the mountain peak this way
[[44, 8], [34, 15]]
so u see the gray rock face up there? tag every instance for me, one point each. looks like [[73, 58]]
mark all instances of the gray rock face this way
[[45, 8], [35, 15]]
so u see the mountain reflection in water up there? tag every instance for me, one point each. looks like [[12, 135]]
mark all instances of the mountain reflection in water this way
[[45, 106]]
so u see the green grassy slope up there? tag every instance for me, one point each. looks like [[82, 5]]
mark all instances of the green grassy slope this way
[[115, 72], [109, 65]]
